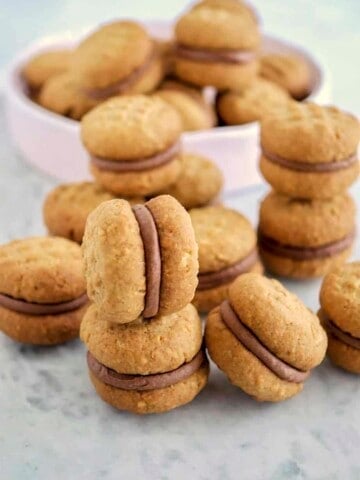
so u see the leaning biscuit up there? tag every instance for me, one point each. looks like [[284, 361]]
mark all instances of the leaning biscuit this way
[[140, 260], [264, 339]]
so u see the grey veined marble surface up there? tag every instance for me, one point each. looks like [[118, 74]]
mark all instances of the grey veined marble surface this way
[[53, 426]]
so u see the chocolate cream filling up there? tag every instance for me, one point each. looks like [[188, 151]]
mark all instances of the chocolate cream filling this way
[[214, 56], [209, 280], [144, 382], [143, 164], [152, 252], [305, 253], [310, 167], [30, 308], [122, 85], [249, 340], [344, 337]]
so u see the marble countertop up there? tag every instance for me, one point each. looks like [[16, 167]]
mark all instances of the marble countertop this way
[[53, 425]]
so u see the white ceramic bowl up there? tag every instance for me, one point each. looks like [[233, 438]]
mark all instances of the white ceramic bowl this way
[[52, 143]]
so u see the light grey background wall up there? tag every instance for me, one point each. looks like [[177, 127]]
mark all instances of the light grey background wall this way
[[331, 28]]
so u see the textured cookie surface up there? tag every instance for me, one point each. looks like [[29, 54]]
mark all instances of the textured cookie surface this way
[[306, 223], [194, 112], [67, 207], [224, 237], [243, 368], [111, 54], [114, 263], [154, 401], [218, 27], [143, 347], [340, 297], [45, 65], [130, 127], [279, 319], [199, 183], [42, 270], [179, 253], [289, 71], [306, 132], [61, 94], [251, 104]]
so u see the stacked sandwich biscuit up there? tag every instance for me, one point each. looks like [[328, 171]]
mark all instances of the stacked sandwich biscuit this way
[[309, 157], [144, 338], [134, 153]]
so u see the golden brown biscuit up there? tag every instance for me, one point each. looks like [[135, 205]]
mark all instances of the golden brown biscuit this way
[[67, 207], [140, 261], [264, 338], [251, 104], [340, 315], [227, 249], [289, 71], [309, 151], [194, 111], [40, 68], [216, 45], [118, 58], [199, 183], [61, 94], [42, 290], [133, 144], [305, 238]]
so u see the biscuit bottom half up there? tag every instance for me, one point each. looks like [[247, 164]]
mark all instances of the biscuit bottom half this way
[[155, 400]]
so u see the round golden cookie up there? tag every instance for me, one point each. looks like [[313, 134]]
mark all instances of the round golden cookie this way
[[125, 130], [61, 94], [289, 71], [227, 248], [309, 151], [153, 401], [114, 259], [199, 184], [284, 339], [340, 314], [237, 6], [40, 68], [251, 104], [143, 347], [114, 58], [67, 207], [216, 45], [305, 238], [194, 111], [42, 290]]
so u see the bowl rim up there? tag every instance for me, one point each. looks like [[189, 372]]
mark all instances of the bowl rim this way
[[14, 90]]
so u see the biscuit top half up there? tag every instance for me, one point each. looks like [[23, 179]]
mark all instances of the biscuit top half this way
[[130, 128], [41, 270], [309, 133], [218, 25], [224, 237], [306, 223]]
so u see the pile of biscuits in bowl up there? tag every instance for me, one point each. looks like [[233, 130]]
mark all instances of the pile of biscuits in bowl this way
[[216, 43], [133, 258]]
